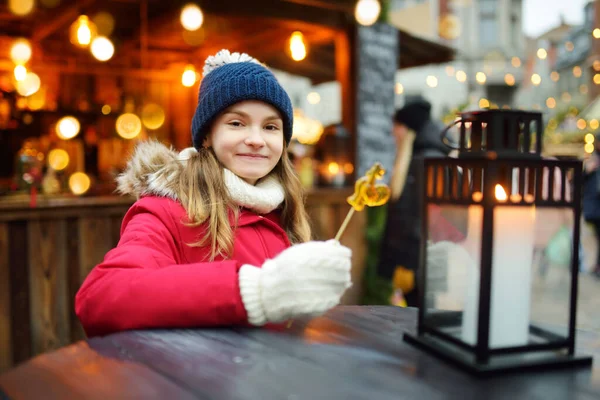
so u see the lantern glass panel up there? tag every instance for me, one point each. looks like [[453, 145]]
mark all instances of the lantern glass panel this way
[[551, 273], [453, 259]]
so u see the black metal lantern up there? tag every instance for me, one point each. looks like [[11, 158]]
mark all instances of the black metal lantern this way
[[500, 190]]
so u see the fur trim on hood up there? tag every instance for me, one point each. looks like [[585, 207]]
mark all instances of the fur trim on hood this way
[[152, 170]]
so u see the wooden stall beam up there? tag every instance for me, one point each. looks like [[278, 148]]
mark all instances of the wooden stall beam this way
[[67, 15], [285, 10]]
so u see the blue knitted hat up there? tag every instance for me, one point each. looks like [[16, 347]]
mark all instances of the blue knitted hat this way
[[232, 78]]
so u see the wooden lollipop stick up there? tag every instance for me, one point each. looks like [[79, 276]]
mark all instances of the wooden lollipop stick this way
[[345, 224]]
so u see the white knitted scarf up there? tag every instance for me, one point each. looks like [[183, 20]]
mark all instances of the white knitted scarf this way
[[264, 197]]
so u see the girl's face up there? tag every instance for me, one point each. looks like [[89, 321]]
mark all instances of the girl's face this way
[[247, 138]]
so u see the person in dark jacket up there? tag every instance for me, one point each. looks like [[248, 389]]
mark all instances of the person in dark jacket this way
[[591, 197], [417, 137]]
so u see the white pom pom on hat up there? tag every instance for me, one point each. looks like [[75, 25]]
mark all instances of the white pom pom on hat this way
[[225, 57]]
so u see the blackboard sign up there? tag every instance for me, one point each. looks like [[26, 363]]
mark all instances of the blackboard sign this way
[[377, 52]]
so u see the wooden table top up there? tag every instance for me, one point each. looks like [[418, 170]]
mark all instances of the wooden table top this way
[[353, 352]]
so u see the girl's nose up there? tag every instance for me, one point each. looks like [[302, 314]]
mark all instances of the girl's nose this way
[[255, 138]]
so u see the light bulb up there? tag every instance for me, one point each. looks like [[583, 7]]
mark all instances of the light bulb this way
[[191, 17], [367, 12], [102, 48], [188, 78], [82, 31], [297, 46], [67, 127], [20, 51]]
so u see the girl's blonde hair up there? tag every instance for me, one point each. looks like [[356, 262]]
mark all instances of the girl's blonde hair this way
[[204, 196]]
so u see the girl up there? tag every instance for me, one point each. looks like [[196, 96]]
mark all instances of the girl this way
[[219, 234]]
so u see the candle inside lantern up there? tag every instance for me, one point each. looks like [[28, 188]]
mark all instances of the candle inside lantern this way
[[512, 258]]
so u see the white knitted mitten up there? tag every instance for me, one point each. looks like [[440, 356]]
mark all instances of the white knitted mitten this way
[[305, 279]]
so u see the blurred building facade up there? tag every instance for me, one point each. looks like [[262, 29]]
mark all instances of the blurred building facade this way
[[489, 38], [560, 68]]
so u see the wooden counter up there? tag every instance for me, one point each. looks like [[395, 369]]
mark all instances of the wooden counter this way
[[349, 353], [47, 251]]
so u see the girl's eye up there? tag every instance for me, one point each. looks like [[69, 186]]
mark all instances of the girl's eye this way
[[235, 123], [272, 127]]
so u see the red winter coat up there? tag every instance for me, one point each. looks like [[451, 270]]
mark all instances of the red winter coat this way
[[153, 279]]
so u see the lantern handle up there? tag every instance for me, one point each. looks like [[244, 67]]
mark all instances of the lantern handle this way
[[444, 135]]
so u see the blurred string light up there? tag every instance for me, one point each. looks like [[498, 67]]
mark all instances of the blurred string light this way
[[589, 138], [555, 76], [367, 12], [536, 79], [153, 116], [461, 76], [509, 79], [313, 98], [105, 23], [431, 81], [399, 88], [597, 79], [589, 148], [102, 48], [29, 85], [58, 159], [191, 17], [583, 89], [128, 125], [67, 127], [596, 65], [581, 124], [516, 62], [551, 102], [79, 183], [484, 103], [297, 45], [188, 77], [20, 51], [566, 97], [542, 53], [577, 71], [480, 78], [333, 168], [596, 33], [450, 70], [37, 101], [20, 73], [82, 31], [449, 27], [594, 124], [106, 109], [306, 130], [21, 7]]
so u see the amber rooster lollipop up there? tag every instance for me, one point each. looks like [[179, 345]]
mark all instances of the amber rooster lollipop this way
[[366, 193]]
